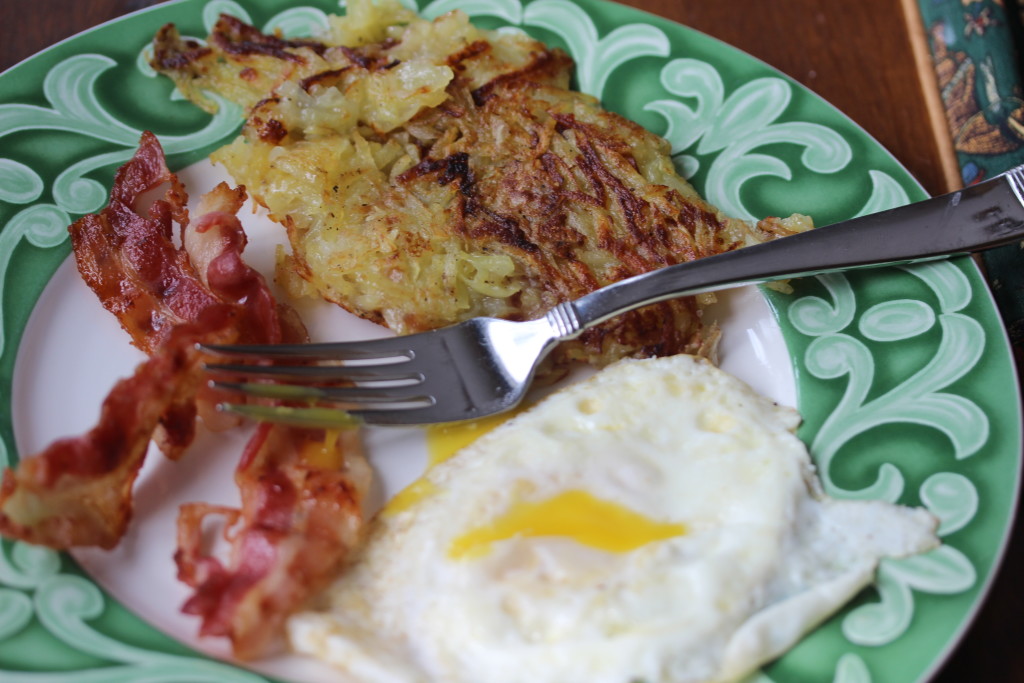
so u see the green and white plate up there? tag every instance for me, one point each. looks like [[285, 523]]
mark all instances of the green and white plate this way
[[903, 376]]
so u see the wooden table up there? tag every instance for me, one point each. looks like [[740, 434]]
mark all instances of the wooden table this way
[[869, 59]]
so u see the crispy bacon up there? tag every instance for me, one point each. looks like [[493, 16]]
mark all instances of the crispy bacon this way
[[151, 284], [302, 493], [301, 489], [214, 243], [78, 491]]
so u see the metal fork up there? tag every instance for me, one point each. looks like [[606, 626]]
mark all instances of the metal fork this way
[[484, 366]]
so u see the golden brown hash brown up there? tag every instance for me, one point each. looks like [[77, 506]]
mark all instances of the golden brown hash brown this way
[[429, 172]]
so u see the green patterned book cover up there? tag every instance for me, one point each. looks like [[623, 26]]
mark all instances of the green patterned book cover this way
[[976, 51]]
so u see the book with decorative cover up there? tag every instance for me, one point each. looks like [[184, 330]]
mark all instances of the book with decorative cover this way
[[977, 56]]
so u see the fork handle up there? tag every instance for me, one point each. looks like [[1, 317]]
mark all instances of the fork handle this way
[[979, 217]]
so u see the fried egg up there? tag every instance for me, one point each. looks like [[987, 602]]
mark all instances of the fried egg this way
[[658, 521]]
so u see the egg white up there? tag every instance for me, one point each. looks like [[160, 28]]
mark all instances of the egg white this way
[[761, 559]]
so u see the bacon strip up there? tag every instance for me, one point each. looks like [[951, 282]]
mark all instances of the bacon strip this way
[[78, 490], [133, 265], [301, 489], [130, 261], [302, 493]]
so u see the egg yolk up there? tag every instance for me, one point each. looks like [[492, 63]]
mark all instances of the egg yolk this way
[[445, 440], [324, 454], [572, 514], [409, 496]]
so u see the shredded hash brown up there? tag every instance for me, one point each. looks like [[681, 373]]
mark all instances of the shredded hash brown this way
[[428, 172]]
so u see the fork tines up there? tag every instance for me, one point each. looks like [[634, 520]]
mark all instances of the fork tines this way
[[329, 382], [395, 348]]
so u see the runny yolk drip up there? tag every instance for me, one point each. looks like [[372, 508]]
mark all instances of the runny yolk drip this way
[[324, 454], [445, 440], [409, 496], [573, 514]]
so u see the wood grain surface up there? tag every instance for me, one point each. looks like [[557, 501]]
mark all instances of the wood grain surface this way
[[867, 58]]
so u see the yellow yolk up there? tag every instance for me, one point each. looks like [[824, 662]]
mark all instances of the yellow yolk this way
[[409, 496], [324, 454], [573, 514], [445, 440]]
